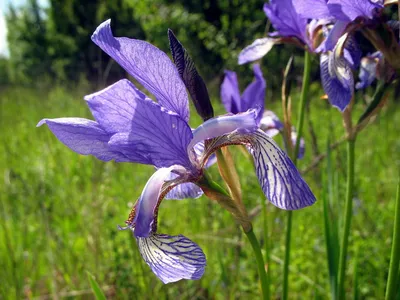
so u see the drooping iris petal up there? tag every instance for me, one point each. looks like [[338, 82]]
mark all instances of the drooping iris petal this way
[[339, 91], [148, 65], [349, 10], [242, 122], [172, 258], [336, 76], [352, 53], [148, 202], [279, 179], [254, 95], [312, 9], [114, 107], [230, 93], [286, 21], [256, 50], [84, 137], [161, 136]]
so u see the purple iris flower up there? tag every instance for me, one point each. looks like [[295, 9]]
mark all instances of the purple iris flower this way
[[341, 52], [368, 68], [253, 97], [130, 127], [290, 28]]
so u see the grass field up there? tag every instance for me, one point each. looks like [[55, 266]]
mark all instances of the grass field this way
[[59, 213]]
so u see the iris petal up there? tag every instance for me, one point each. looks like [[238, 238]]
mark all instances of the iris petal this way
[[256, 50], [280, 181], [336, 76], [230, 93], [242, 122], [172, 258], [84, 137], [148, 65], [254, 95], [159, 136]]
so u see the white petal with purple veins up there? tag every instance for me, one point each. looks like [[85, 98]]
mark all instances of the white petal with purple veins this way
[[172, 258], [280, 180], [256, 50]]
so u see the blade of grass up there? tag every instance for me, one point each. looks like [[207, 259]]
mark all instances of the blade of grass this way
[[98, 293]]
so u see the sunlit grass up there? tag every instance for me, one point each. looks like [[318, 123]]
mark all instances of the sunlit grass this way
[[59, 213]]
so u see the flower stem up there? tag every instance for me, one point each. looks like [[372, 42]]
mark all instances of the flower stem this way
[[260, 263], [392, 283], [348, 216], [266, 243], [300, 122]]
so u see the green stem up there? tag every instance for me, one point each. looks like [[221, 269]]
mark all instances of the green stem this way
[[260, 263], [348, 216], [300, 122], [266, 241], [392, 283]]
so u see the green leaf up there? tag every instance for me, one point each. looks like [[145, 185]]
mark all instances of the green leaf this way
[[98, 293], [376, 102]]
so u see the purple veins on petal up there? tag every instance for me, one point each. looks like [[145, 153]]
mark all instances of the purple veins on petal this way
[[152, 134], [85, 137], [148, 65], [256, 50], [280, 180], [286, 21], [172, 258], [184, 190]]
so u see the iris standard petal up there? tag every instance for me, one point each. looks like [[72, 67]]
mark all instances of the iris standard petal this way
[[333, 36], [254, 95], [172, 258], [84, 137], [159, 135], [312, 9], [286, 21], [114, 107], [349, 10], [242, 122], [148, 65], [256, 50], [230, 93]]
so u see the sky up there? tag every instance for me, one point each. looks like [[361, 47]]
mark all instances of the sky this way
[[4, 4]]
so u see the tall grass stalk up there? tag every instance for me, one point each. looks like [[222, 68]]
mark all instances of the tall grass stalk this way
[[347, 216], [392, 282], [300, 122]]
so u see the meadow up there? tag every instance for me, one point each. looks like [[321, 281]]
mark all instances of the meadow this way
[[59, 211]]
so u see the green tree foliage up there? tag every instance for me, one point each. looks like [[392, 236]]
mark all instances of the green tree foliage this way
[[54, 42]]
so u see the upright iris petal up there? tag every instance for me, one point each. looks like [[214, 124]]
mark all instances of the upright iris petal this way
[[148, 65]]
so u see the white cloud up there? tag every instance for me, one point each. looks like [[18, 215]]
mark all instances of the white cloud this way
[[3, 35]]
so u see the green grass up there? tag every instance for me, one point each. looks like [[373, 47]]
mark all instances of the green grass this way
[[59, 213]]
